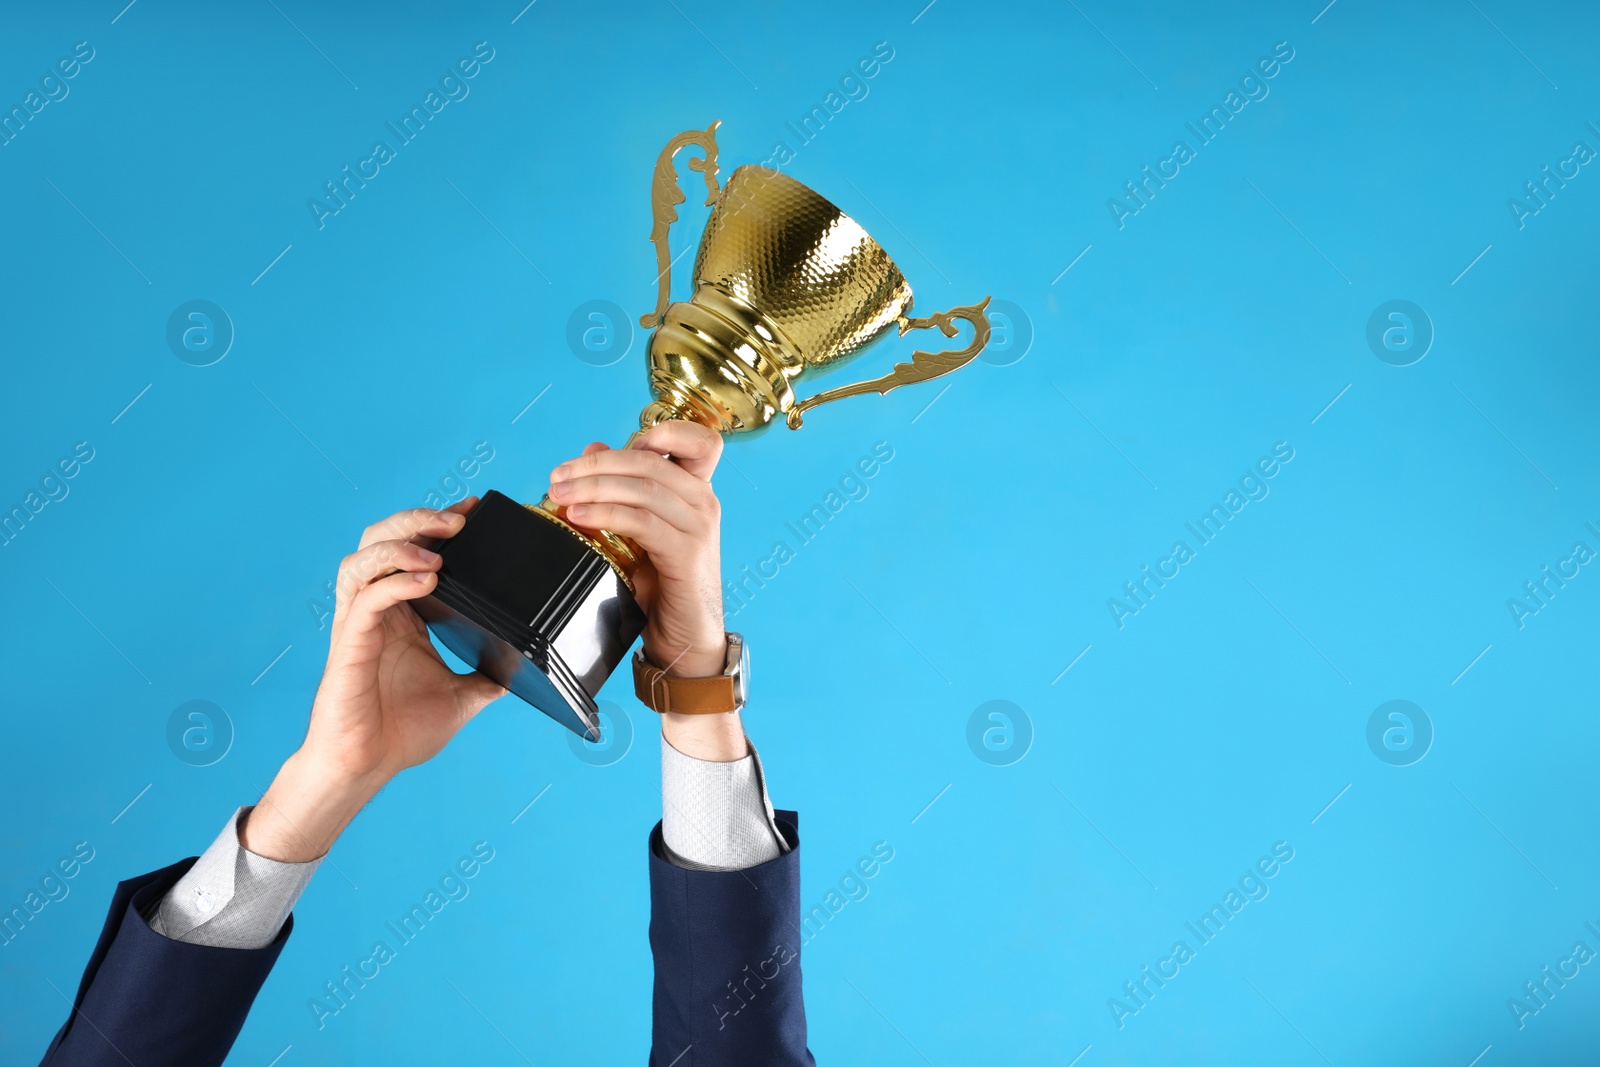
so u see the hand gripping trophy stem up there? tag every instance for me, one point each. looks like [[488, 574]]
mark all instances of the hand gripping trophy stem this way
[[784, 284]]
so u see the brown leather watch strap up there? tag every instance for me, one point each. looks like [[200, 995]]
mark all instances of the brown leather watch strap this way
[[662, 692]]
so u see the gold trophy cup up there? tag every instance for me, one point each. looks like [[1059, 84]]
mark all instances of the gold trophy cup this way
[[784, 282]]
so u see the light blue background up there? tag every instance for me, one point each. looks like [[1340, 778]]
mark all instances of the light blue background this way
[[1223, 318]]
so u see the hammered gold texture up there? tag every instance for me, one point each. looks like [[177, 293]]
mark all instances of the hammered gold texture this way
[[808, 266]]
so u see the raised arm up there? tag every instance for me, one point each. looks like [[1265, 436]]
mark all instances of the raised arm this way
[[185, 949], [724, 866]]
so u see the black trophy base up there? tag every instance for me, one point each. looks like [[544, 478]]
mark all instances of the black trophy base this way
[[526, 602]]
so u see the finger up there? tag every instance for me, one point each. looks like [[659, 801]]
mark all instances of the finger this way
[[693, 447], [360, 569], [689, 516], [416, 523], [588, 450], [654, 534], [635, 463], [364, 614]]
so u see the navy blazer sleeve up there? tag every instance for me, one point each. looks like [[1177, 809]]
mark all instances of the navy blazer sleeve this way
[[151, 1000], [727, 961]]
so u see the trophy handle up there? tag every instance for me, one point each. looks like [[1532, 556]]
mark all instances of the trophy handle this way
[[664, 198], [923, 367]]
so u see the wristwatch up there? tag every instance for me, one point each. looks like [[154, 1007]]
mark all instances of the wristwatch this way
[[719, 694]]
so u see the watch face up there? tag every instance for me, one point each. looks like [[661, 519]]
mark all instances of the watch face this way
[[740, 671]]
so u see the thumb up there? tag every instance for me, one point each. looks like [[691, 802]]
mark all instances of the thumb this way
[[478, 691]]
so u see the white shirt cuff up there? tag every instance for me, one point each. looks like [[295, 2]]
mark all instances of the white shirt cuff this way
[[716, 816], [231, 897]]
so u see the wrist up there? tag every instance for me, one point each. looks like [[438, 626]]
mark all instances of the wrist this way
[[305, 809], [704, 657], [714, 738], [717, 738]]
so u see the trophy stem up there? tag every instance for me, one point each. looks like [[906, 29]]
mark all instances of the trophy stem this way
[[670, 410]]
